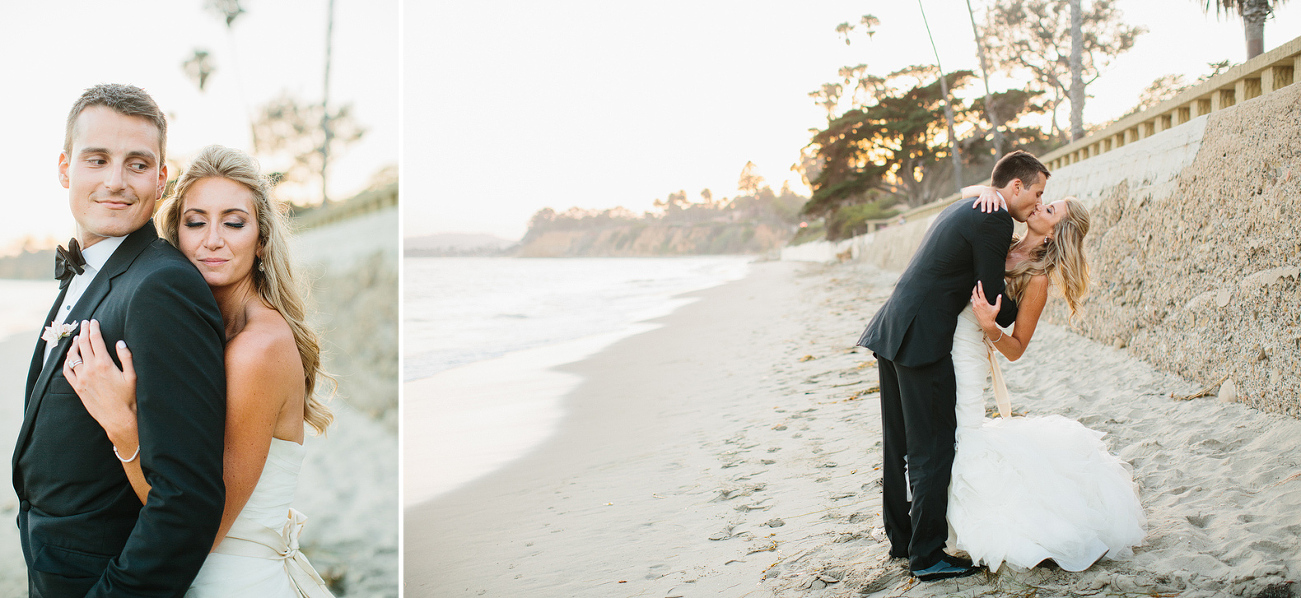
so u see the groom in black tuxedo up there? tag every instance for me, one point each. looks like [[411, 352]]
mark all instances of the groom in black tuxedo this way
[[83, 530], [912, 336]]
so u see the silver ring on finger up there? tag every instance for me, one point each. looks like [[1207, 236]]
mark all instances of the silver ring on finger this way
[[75, 364]]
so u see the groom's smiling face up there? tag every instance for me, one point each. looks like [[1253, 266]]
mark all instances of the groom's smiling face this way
[[112, 172]]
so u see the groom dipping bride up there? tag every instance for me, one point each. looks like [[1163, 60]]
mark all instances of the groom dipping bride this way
[[1022, 490]]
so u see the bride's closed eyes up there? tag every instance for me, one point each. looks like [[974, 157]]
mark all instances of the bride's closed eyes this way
[[236, 224]]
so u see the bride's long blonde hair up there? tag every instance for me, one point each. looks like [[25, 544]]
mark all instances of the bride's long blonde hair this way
[[1061, 259], [273, 276]]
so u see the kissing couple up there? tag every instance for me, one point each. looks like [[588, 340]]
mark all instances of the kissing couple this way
[[1020, 490], [165, 406]]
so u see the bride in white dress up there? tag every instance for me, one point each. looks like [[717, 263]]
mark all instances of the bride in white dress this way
[[1027, 489], [222, 218]]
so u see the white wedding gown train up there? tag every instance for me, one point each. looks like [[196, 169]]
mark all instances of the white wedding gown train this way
[[1025, 489]]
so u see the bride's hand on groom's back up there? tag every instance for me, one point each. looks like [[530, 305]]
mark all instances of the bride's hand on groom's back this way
[[986, 313], [108, 393], [989, 200]]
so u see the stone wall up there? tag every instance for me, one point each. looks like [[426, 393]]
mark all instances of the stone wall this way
[[1198, 274]]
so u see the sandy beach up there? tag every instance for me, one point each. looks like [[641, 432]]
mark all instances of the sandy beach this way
[[734, 451]]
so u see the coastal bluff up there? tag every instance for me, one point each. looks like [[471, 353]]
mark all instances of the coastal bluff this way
[[1195, 247], [657, 239]]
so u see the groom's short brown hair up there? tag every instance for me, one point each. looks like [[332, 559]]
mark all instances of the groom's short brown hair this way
[[1018, 164], [127, 100]]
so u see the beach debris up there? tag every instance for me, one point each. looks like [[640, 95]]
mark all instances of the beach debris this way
[[1286, 480], [1228, 392], [878, 534], [758, 506], [819, 581], [772, 547], [887, 579], [722, 535], [777, 522], [1207, 391], [807, 358], [746, 490], [828, 465]]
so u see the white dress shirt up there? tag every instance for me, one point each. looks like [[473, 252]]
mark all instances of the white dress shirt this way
[[96, 256]]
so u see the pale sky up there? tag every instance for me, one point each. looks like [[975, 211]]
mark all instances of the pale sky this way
[[54, 50], [512, 106]]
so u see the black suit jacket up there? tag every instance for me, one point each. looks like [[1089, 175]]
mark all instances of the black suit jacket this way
[[83, 529], [915, 326]]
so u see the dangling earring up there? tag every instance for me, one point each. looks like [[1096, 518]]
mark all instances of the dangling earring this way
[[261, 266], [1048, 240]]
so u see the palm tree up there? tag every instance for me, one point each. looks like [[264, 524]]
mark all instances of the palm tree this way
[[1077, 71], [984, 73], [1253, 13], [948, 105]]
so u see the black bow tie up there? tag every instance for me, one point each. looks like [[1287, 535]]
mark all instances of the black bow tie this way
[[68, 263]]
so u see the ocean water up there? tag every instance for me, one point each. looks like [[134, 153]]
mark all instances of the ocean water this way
[[23, 304], [463, 310], [482, 336]]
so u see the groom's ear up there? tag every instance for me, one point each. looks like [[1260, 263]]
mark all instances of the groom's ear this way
[[63, 169]]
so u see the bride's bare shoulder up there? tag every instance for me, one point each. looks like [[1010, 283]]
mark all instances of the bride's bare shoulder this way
[[265, 343]]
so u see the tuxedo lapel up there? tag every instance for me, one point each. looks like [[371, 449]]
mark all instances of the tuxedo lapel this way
[[85, 308], [39, 354]]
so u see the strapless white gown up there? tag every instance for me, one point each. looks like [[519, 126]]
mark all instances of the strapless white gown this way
[[1025, 489], [260, 557]]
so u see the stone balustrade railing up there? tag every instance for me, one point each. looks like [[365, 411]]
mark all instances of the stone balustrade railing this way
[[363, 203], [1260, 75]]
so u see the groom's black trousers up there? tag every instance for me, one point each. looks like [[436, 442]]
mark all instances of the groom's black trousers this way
[[918, 422]]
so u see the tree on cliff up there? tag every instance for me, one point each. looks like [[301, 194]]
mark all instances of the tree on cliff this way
[[749, 181], [1253, 13], [1033, 37]]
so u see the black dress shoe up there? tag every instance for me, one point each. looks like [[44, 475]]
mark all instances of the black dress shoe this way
[[948, 567]]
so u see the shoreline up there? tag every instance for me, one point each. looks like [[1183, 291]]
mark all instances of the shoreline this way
[[733, 451], [484, 399], [614, 420]]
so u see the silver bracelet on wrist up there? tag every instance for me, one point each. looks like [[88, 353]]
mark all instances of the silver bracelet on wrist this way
[[1000, 337], [129, 459]]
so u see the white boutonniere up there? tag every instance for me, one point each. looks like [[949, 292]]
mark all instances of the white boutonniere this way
[[54, 332]]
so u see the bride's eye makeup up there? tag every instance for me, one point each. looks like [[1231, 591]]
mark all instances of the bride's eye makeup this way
[[194, 223], [235, 224]]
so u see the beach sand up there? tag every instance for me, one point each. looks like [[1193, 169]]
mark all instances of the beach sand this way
[[735, 452], [15, 356]]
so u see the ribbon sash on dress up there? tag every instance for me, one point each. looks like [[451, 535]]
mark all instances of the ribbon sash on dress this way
[[1000, 389], [259, 541]]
